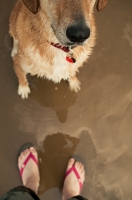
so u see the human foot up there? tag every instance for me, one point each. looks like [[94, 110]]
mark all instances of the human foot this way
[[28, 167], [74, 179]]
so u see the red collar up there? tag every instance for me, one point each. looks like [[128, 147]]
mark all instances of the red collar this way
[[69, 57]]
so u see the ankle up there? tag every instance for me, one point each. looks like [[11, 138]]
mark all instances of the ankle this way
[[32, 185], [69, 194]]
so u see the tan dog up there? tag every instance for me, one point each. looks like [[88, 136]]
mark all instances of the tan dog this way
[[52, 39]]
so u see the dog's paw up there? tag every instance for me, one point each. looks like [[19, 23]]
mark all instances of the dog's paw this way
[[23, 91], [74, 84]]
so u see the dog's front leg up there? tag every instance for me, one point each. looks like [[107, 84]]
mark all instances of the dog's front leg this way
[[23, 88], [74, 84]]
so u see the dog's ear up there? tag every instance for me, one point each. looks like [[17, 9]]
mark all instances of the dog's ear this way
[[32, 5], [101, 4]]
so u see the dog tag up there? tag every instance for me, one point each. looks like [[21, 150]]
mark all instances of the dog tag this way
[[71, 60]]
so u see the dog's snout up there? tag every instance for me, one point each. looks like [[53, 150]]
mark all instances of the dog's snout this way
[[78, 33]]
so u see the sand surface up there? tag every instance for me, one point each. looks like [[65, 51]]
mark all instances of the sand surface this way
[[95, 124]]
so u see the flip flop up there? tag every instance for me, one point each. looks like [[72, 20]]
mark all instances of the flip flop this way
[[30, 156], [73, 169]]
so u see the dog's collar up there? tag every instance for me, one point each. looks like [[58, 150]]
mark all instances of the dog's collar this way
[[66, 49]]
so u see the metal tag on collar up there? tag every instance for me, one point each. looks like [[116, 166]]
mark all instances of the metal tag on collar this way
[[69, 56]]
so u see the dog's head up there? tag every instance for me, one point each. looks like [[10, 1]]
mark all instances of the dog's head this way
[[71, 20]]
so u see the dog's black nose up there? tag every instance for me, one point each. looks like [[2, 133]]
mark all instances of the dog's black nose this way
[[78, 33]]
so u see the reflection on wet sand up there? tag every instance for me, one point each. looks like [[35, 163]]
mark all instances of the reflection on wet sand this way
[[55, 96], [58, 148]]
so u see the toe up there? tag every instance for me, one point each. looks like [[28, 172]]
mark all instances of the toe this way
[[80, 168], [70, 163], [25, 153], [19, 159], [22, 157], [78, 165], [33, 151]]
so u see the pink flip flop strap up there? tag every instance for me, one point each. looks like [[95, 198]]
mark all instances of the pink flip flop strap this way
[[77, 175], [30, 156]]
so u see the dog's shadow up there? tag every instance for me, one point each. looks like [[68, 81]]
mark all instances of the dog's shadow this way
[[56, 96]]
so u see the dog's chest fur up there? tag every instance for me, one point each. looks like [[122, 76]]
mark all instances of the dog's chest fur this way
[[52, 65]]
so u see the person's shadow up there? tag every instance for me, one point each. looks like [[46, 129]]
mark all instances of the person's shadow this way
[[55, 96], [58, 149]]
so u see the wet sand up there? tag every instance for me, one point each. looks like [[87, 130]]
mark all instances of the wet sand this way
[[95, 124]]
